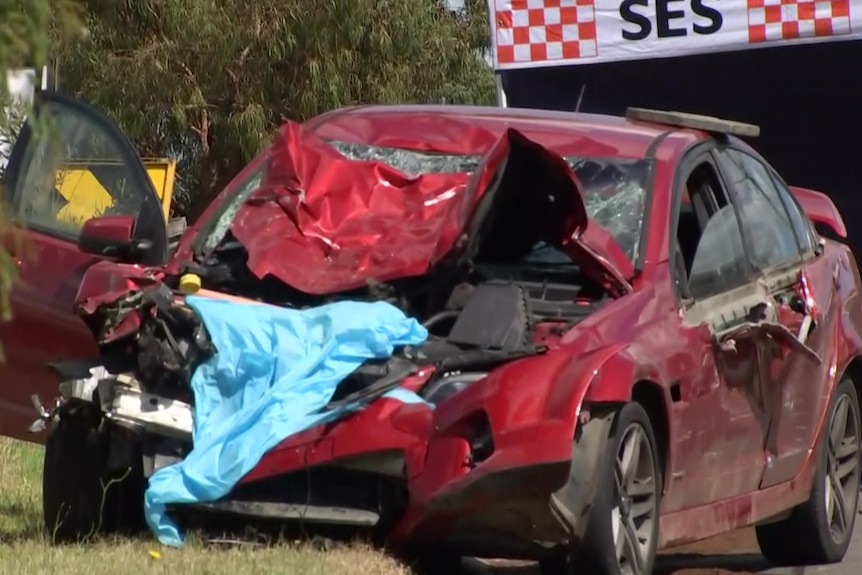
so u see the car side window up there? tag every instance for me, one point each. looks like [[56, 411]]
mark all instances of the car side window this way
[[764, 215], [73, 169], [800, 222], [243, 191], [709, 239]]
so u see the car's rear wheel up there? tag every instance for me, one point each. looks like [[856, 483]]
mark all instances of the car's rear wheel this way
[[81, 498], [622, 532], [819, 531]]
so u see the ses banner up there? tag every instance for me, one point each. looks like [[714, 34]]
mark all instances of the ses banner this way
[[540, 33]]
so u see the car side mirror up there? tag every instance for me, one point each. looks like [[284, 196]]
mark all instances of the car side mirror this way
[[112, 237]]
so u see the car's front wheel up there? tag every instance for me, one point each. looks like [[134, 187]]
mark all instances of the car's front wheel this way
[[819, 531], [80, 496], [622, 532]]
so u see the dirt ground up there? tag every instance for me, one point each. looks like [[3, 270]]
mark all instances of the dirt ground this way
[[735, 552]]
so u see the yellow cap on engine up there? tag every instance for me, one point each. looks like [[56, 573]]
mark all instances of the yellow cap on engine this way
[[190, 283]]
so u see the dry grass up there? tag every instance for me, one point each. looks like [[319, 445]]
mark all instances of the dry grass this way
[[25, 549]]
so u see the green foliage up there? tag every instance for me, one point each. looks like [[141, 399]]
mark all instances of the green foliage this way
[[12, 115], [208, 81], [10, 124]]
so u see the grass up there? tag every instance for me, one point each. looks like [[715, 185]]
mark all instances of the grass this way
[[24, 548]]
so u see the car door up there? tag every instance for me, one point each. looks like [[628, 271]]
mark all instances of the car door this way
[[48, 203], [785, 253], [720, 422]]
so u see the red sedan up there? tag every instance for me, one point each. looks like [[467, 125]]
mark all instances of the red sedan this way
[[637, 337]]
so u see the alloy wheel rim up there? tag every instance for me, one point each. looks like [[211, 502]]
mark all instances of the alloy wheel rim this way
[[842, 469], [634, 514]]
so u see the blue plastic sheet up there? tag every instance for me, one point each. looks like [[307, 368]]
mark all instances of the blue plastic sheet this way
[[275, 371]]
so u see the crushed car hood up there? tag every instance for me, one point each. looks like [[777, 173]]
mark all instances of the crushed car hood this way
[[323, 223]]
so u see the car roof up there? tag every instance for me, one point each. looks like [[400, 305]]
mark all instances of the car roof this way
[[475, 129]]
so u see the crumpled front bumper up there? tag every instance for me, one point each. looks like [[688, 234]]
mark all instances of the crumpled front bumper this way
[[532, 492]]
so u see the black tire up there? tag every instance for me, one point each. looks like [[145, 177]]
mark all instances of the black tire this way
[[80, 497], [806, 536], [596, 554]]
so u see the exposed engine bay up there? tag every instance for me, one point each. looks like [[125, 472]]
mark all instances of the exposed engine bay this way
[[480, 326]]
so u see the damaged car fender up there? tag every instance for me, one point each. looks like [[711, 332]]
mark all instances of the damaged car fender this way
[[517, 431], [542, 396], [608, 377], [494, 442], [607, 374], [528, 409], [614, 380]]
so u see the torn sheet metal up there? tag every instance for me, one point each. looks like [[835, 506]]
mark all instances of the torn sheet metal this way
[[343, 220], [274, 372], [781, 334]]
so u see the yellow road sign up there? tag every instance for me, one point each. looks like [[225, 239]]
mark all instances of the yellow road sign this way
[[88, 188]]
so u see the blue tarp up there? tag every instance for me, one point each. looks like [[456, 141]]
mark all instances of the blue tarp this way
[[274, 372]]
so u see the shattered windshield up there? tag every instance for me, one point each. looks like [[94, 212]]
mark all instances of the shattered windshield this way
[[244, 190], [614, 189]]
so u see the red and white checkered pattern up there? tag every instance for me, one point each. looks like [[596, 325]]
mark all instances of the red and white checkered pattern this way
[[789, 19], [545, 30]]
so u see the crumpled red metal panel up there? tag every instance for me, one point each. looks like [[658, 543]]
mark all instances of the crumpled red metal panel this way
[[324, 223]]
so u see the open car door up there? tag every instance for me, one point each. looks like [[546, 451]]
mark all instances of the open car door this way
[[48, 205]]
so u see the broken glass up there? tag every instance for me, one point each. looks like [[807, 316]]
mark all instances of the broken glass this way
[[224, 220], [614, 189]]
